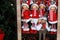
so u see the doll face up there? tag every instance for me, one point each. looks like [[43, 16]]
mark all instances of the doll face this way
[[42, 7], [43, 21], [25, 7], [53, 8], [39, 20], [34, 8]]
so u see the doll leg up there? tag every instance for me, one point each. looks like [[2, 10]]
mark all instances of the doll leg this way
[[40, 35]]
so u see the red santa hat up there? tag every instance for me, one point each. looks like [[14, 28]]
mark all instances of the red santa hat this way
[[52, 6], [34, 5], [42, 5], [44, 18], [24, 4]]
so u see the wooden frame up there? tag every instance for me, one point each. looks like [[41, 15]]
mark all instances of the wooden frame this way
[[19, 20]]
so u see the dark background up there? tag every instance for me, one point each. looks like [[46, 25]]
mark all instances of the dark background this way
[[8, 19]]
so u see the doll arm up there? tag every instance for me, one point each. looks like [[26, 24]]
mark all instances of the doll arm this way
[[38, 27]]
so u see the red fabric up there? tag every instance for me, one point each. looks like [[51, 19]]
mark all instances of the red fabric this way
[[44, 26], [47, 2], [52, 16], [42, 12], [56, 2], [38, 3], [33, 31], [53, 32], [25, 32], [26, 14], [35, 14], [1, 35], [28, 2]]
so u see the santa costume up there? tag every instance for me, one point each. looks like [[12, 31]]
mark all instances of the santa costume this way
[[25, 13], [41, 10], [43, 28], [52, 16], [34, 13]]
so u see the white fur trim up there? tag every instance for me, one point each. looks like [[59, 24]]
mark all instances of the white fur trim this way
[[53, 30], [35, 5], [26, 20], [33, 28], [31, 2], [25, 4], [52, 6], [42, 5], [25, 29], [52, 22], [34, 20]]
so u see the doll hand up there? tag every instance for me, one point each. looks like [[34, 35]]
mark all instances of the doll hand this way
[[31, 15]]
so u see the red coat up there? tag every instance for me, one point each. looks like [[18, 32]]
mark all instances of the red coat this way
[[52, 17], [26, 14], [35, 14], [56, 2], [42, 12]]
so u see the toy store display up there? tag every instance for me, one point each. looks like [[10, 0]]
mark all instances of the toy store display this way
[[39, 17]]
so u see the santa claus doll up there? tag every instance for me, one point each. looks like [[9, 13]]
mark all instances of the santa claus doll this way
[[52, 19], [25, 13], [41, 10], [34, 13], [43, 27], [52, 16]]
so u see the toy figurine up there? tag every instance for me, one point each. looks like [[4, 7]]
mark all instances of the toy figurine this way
[[25, 13], [34, 13], [41, 10], [52, 19], [52, 16], [44, 28]]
